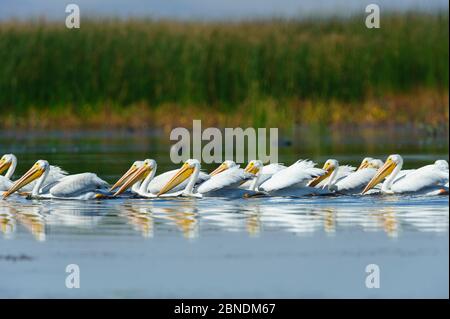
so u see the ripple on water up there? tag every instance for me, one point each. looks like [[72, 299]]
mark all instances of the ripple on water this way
[[197, 217]]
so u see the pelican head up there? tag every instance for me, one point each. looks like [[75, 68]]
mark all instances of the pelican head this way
[[223, 167], [254, 167], [442, 164], [183, 173], [391, 163], [329, 167], [6, 161], [365, 163], [33, 173], [139, 171], [375, 163], [134, 167]]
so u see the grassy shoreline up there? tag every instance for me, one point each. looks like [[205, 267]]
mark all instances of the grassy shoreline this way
[[429, 108]]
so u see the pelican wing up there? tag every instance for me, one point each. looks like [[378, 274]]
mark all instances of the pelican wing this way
[[421, 178], [266, 172], [355, 181], [230, 178], [402, 174], [158, 182], [5, 183], [343, 171], [297, 174], [77, 184]]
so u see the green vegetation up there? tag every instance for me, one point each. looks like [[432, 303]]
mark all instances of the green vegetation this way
[[271, 70]]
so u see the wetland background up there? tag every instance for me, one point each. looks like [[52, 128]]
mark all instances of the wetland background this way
[[102, 96], [279, 72]]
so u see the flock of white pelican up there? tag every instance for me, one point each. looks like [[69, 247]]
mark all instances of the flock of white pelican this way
[[302, 178]]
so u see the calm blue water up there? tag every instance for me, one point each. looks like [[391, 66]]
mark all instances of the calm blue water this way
[[258, 247], [220, 248]]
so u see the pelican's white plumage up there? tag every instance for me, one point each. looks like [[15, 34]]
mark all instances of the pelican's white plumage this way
[[75, 185], [78, 186], [342, 172], [227, 182], [141, 176], [429, 179], [9, 162], [196, 183], [292, 181], [222, 184], [353, 182], [266, 172]]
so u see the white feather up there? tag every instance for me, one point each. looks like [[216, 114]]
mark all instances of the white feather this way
[[266, 172], [54, 175], [296, 175], [230, 178], [74, 185], [354, 182], [421, 178], [342, 172]]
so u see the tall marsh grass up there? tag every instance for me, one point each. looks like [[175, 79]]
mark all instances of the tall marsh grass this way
[[221, 67]]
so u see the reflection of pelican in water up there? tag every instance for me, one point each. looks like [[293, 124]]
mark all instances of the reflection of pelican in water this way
[[329, 221], [74, 214], [183, 215], [31, 217], [78, 186], [141, 218], [9, 162], [7, 221], [428, 180], [385, 219], [253, 223], [291, 218], [427, 219]]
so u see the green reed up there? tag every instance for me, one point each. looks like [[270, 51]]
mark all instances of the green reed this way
[[219, 65]]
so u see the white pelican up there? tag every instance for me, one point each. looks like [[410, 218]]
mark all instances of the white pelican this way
[[262, 173], [429, 179], [293, 180], [370, 162], [223, 167], [141, 177], [339, 173], [9, 162], [138, 177], [77, 186], [134, 167], [352, 183], [222, 184]]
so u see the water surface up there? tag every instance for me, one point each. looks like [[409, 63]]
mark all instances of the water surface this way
[[258, 247]]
